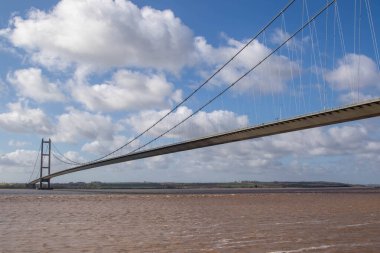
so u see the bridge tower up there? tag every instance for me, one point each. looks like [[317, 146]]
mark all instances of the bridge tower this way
[[45, 163]]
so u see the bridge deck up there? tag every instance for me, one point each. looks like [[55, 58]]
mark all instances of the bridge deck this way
[[363, 110]]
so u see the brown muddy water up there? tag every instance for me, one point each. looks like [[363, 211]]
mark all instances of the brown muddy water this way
[[193, 221]]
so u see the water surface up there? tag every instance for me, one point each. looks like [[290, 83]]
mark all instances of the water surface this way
[[295, 220]]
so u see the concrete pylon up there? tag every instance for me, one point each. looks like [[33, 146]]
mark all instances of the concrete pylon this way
[[45, 164]]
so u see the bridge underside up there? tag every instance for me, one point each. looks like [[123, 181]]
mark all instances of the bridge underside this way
[[363, 110]]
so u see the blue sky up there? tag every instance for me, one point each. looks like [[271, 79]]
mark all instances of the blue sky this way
[[91, 75]]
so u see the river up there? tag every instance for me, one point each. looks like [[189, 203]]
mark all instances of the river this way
[[213, 220]]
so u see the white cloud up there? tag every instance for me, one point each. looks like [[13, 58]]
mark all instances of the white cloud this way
[[352, 97], [5, 47], [18, 157], [22, 119], [30, 83], [74, 156], [101, 147], [354, 71], [271, 75], [59, 162], [127, 91], [17, 165], [103, 33], [74, 126], [18, 144], [201, 124], [326, 141], [279, 36], [322, 142]]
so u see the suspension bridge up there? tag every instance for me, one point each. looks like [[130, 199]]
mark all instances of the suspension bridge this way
[[287, 119]]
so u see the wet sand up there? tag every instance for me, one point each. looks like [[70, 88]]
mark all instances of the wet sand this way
[[290, 220]]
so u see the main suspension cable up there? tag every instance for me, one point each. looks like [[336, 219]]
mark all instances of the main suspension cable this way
[[35, 162], [203, 84], [240, 78], [71, 162]]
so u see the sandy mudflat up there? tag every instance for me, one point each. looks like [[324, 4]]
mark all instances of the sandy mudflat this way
[[113, 221]]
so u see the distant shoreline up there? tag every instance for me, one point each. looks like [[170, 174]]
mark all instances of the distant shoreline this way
[[170, 185], [196, 191]]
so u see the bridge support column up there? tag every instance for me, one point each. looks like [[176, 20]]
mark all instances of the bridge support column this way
[[45, 164]]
